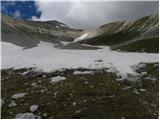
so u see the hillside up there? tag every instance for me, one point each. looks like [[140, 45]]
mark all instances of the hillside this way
[[29, 33], [140, 35]]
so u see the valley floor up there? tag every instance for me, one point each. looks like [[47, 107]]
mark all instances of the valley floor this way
[[46, 82]]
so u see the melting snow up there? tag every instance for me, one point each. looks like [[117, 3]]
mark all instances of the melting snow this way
[[65, 42], [62, 25], [57, 79], [18, 95], [80, 38], [48, 58], [57, 26]]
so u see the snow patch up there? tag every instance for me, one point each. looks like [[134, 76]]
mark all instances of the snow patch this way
[[57, 79], [65, 42], [82, 72], [57, 26], [62, 25], [80, 38], [48, 58], [46, 45]]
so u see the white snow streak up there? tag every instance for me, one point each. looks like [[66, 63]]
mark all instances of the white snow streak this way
[[80, 38]]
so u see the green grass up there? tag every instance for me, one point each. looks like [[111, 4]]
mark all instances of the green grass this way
[[97, 95], [147, 45], [110, 39], [117, 33]]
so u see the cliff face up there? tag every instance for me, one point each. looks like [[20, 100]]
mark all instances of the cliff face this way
[[29, 33]]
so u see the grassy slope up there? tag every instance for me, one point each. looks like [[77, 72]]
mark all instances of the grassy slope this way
[[150, 45], [115, 33], [105, 39], [83, 96]]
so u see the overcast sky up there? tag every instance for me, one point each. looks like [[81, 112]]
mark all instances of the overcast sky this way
[[89, 15], [93, 14]]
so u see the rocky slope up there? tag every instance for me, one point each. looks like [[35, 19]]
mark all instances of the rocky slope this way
[[29, 33], [140, 35]]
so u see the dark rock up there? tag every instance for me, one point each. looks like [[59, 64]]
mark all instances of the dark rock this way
[[100, 60], [33, 74]]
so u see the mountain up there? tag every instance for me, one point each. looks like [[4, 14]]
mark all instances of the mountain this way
[[140, 35], [29, 33]]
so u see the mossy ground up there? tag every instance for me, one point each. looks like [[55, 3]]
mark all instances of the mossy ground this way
[[98, 95]]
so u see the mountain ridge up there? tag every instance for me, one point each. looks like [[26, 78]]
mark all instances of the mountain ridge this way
[[140, 35], [143, 33], [50, 31]]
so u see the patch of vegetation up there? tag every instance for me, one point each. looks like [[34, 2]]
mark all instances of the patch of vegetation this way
[[110, 39], [150, 45], [117, 33], [98, 95]]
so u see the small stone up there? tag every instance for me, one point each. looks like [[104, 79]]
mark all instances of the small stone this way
[[91, 86], [12, 104], [144, 73], [84, 100], [100, 60], [34, 108], [1, 102], [86, 82], [34, 84], [44, 75], [42, 91], [74, 103], [33, 74], [45, 114], [18, 95], [55, 93], [136, 91], [78, 111], [142, 90]]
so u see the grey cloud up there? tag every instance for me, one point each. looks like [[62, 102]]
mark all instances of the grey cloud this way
[[89, 15]]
